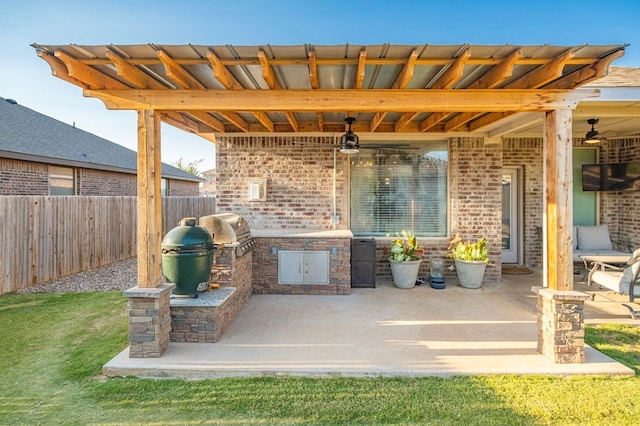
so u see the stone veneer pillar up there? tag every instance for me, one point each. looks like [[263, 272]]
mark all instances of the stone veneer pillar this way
[[561, 325], [149, 320]]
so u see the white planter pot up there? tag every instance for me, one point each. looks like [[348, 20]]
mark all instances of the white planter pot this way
[[405, 273], [470, 273]]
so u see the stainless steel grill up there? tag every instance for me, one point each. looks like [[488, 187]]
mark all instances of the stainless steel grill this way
[[229, 230]]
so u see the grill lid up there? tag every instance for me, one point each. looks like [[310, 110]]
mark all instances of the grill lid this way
[[227, 228], [187, 237]]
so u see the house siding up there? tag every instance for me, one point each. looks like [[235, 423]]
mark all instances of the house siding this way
[[526, 154], [300, 187], [300, 190], [19, 177], [619, 210], [23, 177], [299, 182], [100, 182], [180, 188]]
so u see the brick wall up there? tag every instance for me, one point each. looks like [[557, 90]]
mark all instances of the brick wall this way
[[526, 154], [182, 188], [101, 182], [476, 195], [23, 177], [299, 181], [19, 177], [300, 185], [619, 210]]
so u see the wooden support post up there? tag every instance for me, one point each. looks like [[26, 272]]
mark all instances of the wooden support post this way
[[149, 200], [560, 309], [558, 199]]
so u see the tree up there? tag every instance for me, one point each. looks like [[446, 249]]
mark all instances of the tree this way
[[191, 167]]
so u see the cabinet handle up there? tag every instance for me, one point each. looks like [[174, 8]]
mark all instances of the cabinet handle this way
[[306, 268], [299, 268]]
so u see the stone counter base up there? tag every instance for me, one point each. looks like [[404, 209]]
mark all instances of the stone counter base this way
[[204, 319], [265, 265]]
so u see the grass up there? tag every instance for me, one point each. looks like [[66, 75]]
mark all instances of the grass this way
[[53, 348]]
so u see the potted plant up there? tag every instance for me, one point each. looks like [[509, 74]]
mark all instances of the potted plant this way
[[405, 257], [471, 260]]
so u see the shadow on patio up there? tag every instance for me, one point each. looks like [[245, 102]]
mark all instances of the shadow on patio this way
[[382, 332]]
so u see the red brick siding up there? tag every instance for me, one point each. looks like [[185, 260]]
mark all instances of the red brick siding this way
[[23, 178], [19, 177], [100, 182], [619, 210], [527, 154], [299, 182], [475, 171], [182, 188]]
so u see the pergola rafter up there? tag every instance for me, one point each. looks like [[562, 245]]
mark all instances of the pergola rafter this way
[[174, 69]]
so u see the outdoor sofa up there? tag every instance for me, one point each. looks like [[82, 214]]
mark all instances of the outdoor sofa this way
[[593, 241]]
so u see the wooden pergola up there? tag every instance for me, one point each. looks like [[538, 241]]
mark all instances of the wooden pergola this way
[[390, 89]]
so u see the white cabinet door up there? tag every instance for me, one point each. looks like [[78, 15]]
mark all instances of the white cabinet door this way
[[316, 267], [290, 267], [303, 267]]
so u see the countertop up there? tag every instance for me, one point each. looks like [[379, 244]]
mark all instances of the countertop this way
[[301, 233]]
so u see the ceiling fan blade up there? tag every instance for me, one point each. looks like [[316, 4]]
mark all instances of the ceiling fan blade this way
[[385, 145], [314, 145], [616, 136]]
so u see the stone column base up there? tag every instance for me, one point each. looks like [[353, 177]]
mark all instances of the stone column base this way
[[149, 320], [561, 325]]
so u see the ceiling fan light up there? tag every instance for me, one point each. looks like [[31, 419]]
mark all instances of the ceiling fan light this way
[[350, 142], [592, 135]]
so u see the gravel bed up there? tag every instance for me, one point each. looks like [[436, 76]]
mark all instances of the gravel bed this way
[[118, 276]]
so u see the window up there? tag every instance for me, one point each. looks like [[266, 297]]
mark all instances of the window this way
[[164, 187], [404, 189], [62, 180]]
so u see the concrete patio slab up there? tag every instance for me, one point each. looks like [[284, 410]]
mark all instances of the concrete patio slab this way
[[384, 331]]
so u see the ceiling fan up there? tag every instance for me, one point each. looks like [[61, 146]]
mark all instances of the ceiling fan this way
[[594, 137], [350, 142]]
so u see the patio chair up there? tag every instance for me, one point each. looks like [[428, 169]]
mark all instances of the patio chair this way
[[622, 280]]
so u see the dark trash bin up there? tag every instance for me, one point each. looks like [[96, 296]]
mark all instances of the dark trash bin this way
[[363, 263], [187, 256]]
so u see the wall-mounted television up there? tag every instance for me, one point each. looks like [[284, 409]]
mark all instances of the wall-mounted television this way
[[611, 177]]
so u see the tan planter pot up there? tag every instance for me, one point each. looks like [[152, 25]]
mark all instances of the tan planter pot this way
[[470, 273], [405, 273]]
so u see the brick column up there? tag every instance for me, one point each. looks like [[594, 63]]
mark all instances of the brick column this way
[[149, 320], [561, 325]]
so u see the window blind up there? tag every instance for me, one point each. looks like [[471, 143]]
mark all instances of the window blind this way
[[404, 189]]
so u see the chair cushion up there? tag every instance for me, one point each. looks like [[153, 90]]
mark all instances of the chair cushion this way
[[594, 238], [620, 281], [629, 272], [611, 280]]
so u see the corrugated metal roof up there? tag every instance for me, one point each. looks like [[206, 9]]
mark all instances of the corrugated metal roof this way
[[29, 135], [327, 68]]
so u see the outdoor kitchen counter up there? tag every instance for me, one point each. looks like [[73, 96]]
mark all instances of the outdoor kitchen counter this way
[[326, 254], [301, 233]]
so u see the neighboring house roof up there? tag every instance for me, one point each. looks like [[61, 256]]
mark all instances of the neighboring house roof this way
[[28, 135], [618, 77]]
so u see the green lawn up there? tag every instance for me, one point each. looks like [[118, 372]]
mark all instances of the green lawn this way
[[53, 347]]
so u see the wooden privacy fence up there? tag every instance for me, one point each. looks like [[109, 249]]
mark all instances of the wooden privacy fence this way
[[47, 237]]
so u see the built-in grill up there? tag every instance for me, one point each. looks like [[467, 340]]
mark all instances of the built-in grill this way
[[229, 230]]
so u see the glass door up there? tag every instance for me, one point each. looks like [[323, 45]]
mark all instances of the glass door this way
[[510, 216]]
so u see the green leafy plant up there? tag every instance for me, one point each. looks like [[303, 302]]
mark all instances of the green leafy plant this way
[[405, 248], [467, 250]]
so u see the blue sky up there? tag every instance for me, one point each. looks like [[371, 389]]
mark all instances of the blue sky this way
[[27, 79]]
